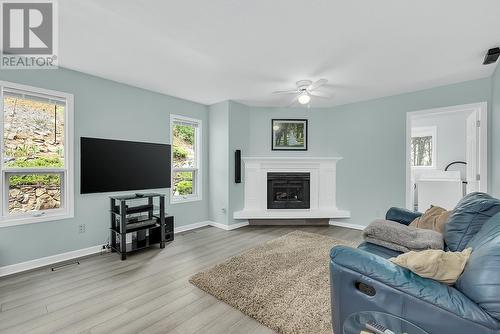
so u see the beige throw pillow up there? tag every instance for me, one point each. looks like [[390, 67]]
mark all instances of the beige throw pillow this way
[[433, 219], [439, 265]]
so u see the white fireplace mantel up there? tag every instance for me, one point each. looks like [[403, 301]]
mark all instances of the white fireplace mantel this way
[[323, 181]]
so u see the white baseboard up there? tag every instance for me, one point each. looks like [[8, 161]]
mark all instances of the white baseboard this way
[[53, 259], [193, 226], [48, 260], [348, 225], [228, 227], [209, 223]]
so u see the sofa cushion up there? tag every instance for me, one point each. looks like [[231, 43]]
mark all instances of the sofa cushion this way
[[467, 218], [433, 219], [480, 280], [441, 266]]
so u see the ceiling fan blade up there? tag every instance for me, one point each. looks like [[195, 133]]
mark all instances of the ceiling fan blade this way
[[317, 84], [321, 94], [293, 101], [280, 92]]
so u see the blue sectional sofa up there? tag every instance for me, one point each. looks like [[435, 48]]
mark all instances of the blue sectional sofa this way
[[363, 279]]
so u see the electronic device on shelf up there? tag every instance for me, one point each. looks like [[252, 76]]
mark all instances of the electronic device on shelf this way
[[135, 209], [378, 328], [133, 220]]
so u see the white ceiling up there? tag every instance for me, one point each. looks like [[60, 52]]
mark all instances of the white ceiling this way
[[213, 50]]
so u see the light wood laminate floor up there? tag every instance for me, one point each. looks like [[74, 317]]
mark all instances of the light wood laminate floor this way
[[147, 293]]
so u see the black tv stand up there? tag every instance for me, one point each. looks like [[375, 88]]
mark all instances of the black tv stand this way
[[141, 225]]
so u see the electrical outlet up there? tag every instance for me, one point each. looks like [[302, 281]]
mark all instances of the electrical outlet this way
[[82, 228]]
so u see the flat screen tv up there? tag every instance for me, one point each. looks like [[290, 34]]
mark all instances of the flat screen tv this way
[[117, 165]]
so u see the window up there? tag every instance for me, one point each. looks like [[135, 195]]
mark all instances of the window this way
[[36, 167], [186, 159], [423, 147]]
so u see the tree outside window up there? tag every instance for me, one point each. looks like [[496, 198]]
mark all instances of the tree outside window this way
[[423, 146]]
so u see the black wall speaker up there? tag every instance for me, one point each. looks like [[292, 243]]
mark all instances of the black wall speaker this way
[[237, 166]]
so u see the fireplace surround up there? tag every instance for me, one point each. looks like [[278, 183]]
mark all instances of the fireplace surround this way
[[322, 183]]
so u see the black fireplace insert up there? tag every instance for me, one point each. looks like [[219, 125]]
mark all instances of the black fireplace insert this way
[[288, 190]]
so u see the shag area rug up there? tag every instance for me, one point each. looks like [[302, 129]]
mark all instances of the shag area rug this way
[[283, 283]]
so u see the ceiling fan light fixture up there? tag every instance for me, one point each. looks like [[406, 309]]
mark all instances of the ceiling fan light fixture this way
[[304, 98]]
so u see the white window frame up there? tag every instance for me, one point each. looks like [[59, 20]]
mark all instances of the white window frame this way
[[426, 131], [197, 169], [67, 180]]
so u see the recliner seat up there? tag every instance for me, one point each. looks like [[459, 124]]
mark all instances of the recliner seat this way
[[472, 306]]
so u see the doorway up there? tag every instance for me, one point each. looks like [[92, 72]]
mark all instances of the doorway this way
[[446, 155]]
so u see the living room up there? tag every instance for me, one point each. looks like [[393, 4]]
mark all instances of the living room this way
[[271, 167]]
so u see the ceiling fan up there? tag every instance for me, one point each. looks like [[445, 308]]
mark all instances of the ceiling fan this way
[[305, 90]]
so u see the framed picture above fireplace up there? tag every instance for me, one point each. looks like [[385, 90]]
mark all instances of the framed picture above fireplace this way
[[289, 134]]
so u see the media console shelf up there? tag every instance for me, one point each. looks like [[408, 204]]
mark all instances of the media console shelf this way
[[138, 222]]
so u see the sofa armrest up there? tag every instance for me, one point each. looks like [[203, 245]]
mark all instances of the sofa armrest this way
[[402, 216], [389, 276]]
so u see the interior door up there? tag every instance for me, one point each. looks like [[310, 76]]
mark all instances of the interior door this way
[[472, 153]]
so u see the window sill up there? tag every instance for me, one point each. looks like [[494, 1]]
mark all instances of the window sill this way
[[24, 220], [185, 200]]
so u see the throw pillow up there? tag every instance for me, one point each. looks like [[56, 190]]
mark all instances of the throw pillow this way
[[433, 219], [445, 267]]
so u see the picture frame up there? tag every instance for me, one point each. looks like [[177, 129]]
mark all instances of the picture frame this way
[[289, 134]]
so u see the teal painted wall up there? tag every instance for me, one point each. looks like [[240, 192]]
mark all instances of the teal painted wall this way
[[495, 133], [260, 128], [218, 162], [239, 139], [228, 131], [370, 136], [106, 109]]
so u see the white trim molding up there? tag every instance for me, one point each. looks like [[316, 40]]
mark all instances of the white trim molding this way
[[347, 225], [189, 227], [229, 227], [79, 253], [225, 227], [49, 260]]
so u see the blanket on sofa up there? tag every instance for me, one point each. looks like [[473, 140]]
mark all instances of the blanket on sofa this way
[[400, 237]]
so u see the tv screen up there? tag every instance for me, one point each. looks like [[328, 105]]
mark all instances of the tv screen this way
[[117, 165]]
